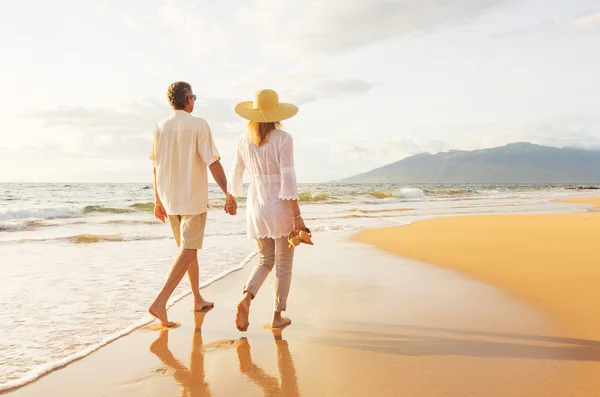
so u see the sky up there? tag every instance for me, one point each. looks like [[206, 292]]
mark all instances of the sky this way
[[84, 82]]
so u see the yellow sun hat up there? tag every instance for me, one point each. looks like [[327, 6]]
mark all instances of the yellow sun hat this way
[[266, 108]]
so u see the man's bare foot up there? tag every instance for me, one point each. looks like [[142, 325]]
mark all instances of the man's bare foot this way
[[160, 312], [242, 314], [280, 322], [202, 304]]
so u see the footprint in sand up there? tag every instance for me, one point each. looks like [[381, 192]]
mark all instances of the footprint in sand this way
[[160, 327], [220, 344], [154, 373], [277, 332]]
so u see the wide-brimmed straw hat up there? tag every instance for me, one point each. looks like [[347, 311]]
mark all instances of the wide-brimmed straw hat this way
[[266, 108]]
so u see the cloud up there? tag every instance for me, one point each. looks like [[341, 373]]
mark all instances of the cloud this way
[[115, 146], [590, 21], [120, 132], [190, 26], [92, 146], [384, 151], [331, 27], [544, 27], [518, 32], [134, 117], [573, 132], [303, 87], [122, 14], [328, 88], [138, 117]]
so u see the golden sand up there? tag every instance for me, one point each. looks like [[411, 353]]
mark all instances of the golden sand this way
[[365, 323], [552, 261], [595, 201]]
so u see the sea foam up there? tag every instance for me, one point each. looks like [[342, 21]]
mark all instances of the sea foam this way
[[44, 369], [409, 192], [38, 213]]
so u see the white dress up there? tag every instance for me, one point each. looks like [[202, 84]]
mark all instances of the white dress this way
[[272, 183]]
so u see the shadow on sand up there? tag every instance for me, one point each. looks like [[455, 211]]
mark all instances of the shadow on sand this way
[[408, 340]]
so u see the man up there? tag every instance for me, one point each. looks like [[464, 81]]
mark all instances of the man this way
[[182, 149]]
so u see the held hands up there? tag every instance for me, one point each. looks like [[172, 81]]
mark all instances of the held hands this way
[[159, 211], [230, 205]]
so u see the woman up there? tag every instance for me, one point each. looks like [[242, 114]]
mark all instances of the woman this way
[[267, 153]]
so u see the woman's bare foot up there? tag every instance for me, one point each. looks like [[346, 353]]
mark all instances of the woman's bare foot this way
[[202, 304], [280, 322], [242, 314], [160, 312]]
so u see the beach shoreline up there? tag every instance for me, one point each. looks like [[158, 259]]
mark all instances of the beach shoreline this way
[[383, 324], [364, 322]]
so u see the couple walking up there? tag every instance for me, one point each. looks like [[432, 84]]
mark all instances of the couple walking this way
[[182, 151]]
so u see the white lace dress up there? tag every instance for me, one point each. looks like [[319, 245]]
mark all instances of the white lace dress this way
[[272, 183]]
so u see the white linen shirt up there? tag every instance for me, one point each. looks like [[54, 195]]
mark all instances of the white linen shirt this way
[[182, 148], [272, 183]]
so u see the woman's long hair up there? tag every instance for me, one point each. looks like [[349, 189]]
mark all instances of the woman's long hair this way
[[260, 131]]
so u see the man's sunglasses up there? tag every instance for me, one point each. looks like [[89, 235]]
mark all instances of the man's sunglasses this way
[[193, 97]]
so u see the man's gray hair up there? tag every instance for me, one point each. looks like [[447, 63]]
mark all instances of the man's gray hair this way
[[178, 94]]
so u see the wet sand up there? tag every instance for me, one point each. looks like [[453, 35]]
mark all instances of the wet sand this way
[[551, 261], [365, 322]]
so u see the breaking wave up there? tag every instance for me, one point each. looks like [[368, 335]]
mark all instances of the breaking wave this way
[[38, 213]]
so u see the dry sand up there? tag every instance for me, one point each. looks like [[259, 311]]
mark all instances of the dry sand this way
[[593, 201], [365, 323], [552, 261]]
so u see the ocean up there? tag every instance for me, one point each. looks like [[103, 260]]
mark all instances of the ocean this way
[[80, 263]]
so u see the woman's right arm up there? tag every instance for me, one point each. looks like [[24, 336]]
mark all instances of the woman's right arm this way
[[297, 220], [289, 186]]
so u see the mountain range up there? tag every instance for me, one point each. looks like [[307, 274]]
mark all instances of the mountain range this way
[[516, 163]]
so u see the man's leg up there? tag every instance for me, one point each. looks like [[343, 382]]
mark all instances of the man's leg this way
[[194, 276], [159, 308]]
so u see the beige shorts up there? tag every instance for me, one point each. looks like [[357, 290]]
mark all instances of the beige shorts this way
[[188, 230]]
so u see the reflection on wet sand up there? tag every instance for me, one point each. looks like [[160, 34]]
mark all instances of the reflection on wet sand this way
[[270, 385], [191, 380]]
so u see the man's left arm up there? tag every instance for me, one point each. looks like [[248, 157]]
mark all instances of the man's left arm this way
[[218, 173], [210, 155]]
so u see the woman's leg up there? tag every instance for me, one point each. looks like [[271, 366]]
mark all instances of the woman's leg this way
[[284, 257], [266, 261]]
